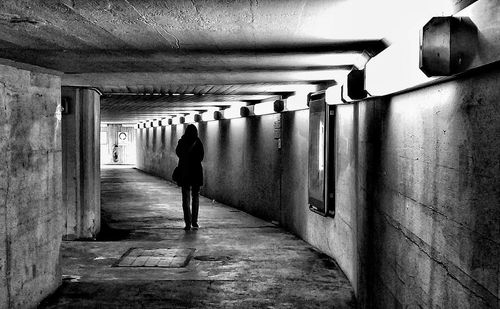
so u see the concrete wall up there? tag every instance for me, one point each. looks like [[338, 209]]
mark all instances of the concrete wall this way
[[435, 205], [241, 160], [346, 236], [418, 194], [417, 189], [126, 148], [30, 186], [81, 167]]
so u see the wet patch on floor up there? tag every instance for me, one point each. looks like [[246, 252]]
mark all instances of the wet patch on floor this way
[[69, 278], [212, 258]]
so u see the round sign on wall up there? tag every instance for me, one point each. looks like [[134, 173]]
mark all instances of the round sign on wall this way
[[122, 136]]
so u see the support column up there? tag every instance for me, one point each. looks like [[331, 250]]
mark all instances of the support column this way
[[81, 166]]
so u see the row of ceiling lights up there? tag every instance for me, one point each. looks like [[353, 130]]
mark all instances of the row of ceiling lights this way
[[297, 102]]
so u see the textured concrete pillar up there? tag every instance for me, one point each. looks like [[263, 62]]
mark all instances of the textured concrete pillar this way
[[81, 166], [30, 186]]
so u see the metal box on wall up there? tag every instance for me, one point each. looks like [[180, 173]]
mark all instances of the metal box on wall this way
[[356, 84], [447, 45]]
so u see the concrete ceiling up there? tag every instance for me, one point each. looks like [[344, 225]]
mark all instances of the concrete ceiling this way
[[219, 48]]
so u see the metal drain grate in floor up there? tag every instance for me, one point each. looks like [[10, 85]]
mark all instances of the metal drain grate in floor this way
[[168, 258]]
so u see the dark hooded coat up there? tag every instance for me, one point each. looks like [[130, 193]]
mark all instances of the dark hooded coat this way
[[190, 152]]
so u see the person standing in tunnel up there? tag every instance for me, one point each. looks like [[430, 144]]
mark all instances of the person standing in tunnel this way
[[190, 152]]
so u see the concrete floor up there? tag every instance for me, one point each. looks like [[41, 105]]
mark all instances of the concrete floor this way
[[240, 261]]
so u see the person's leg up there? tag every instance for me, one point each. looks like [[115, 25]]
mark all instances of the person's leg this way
[[185, 207], [196, 205]]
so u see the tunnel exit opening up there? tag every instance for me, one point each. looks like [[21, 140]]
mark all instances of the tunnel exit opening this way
[[118, 144]]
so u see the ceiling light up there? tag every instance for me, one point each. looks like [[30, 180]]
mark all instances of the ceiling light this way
[[333, 95], [164, 122], [232, 112], [263, 108], [189, 118], [207, 116], [297, 102], [175, 120]]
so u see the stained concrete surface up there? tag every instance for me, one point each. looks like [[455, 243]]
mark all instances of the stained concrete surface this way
[[152, 35], [30, 186], [240, 261]]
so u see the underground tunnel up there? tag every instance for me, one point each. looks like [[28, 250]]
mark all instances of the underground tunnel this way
[[349, 154]]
